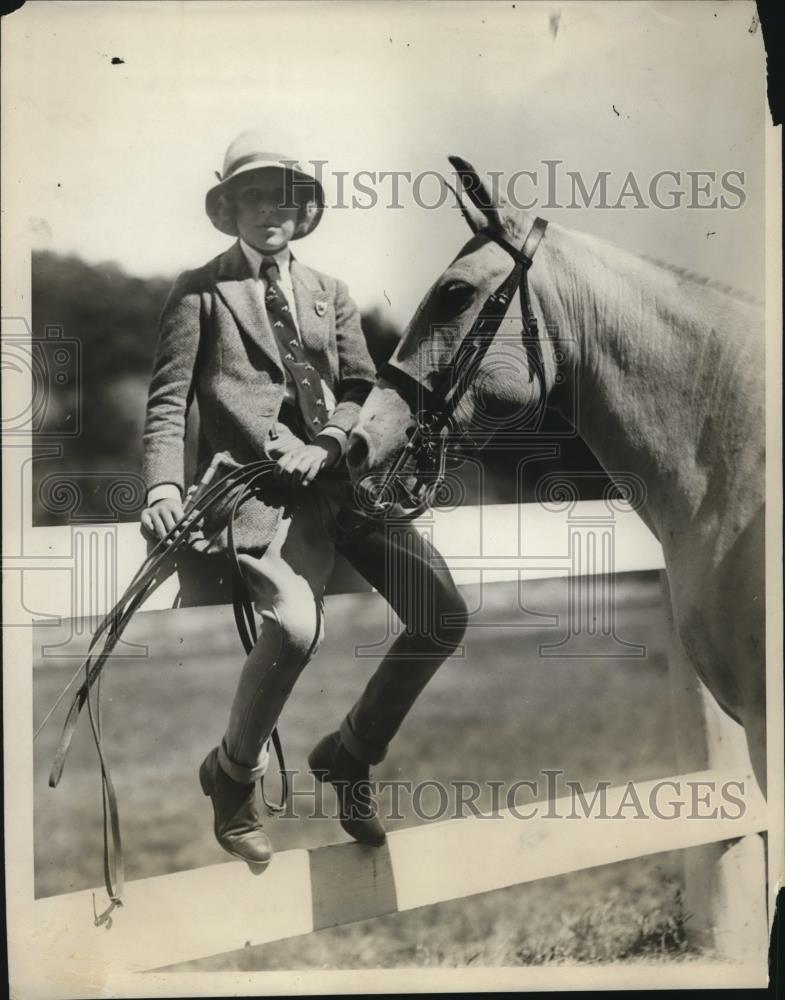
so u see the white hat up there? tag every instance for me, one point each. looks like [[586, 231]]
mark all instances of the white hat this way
[[247, 152]]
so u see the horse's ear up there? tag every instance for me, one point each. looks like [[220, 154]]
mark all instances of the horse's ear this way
[[474, 218], [477, 192]]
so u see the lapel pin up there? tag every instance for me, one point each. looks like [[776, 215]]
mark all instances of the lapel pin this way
[[320, 307]]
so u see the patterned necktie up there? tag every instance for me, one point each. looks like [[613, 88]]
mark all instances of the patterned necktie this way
[[300, 373]]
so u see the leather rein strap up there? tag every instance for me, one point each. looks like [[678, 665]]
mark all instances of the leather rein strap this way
[[157, 567], [434, 409]]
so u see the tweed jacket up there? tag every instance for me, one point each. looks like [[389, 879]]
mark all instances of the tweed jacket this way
[[215, 343]]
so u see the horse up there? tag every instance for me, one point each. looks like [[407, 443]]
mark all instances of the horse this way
[[662, 374]]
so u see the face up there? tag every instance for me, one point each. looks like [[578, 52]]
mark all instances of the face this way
[[265, 210], [443, 319], [496, 394]]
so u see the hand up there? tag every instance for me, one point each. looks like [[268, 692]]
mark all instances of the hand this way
[[159, 519], [301, 465], [283, 442]]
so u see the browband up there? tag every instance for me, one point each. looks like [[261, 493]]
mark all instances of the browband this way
[[525, 255]]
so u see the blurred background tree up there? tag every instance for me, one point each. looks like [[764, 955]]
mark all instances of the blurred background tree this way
[[113, 317]]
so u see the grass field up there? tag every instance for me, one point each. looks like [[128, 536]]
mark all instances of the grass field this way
[[501, 711]]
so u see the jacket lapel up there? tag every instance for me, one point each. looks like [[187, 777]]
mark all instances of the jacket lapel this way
[[311, 302], [239, 290]]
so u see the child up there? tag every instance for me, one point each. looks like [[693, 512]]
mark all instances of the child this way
[[276, 357]]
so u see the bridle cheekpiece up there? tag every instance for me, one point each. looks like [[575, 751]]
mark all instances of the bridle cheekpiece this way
[[425, 453]]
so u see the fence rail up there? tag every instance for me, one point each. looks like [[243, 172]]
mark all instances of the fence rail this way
[[80, 570], [187, 915]]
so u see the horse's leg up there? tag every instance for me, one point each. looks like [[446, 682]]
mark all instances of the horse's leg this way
[[743, 601], [723, 629]]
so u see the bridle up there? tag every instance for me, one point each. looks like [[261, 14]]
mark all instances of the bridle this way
[[424, 456]]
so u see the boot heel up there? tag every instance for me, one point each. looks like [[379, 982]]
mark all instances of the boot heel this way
[[204, 780], [257, 869]]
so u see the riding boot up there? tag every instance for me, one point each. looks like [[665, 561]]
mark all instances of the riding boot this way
[[331, 761], [238, 828]]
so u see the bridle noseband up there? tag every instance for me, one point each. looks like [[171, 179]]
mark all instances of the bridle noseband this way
[[426, 449]]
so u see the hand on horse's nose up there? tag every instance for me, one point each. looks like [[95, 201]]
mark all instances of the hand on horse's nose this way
[[358, 452]]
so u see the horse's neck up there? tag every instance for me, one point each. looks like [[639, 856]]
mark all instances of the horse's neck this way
[[665, 385]]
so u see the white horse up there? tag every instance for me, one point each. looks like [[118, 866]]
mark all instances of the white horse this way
[[665, 379]]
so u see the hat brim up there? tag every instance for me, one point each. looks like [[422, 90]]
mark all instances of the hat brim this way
[[224, 221]]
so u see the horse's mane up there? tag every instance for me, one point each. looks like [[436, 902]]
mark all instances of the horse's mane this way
[[704, 281], [513, 227]]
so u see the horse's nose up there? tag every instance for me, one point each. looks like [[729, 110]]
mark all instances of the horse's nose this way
[[358, 451]]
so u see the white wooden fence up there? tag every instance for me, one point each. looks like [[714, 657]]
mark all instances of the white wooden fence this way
[[187, 915]]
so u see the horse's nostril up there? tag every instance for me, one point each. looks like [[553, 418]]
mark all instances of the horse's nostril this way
[[357, 453]]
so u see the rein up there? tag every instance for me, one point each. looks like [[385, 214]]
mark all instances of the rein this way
[[435, 408], [161, 562]]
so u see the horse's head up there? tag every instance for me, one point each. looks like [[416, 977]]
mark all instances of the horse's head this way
[[500, 390]]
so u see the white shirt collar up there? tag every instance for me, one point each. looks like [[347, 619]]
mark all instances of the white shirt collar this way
[[254, 259]]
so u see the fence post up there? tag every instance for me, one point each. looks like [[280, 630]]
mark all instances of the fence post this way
[[724, 883]]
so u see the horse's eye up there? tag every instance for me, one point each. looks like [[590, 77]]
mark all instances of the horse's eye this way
[[453, 297]]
